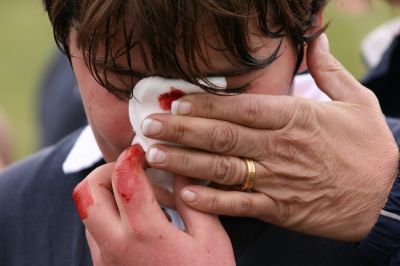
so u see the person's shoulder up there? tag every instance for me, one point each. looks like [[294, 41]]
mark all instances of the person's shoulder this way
[[37, 210], [44, 164]]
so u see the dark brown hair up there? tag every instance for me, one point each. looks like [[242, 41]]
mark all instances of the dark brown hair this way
[[108, 30]]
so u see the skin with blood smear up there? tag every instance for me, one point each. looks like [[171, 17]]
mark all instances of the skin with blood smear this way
[[165, 100], [127, 172], [83, 199], [133, 164]]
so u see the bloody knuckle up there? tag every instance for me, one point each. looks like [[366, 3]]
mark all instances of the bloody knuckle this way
[[77, 190], [223, 139]]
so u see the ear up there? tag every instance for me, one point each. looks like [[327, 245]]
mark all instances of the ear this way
[[316, 23], [315, 26]]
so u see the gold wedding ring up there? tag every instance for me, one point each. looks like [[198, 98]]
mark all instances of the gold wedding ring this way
[[250, 175]]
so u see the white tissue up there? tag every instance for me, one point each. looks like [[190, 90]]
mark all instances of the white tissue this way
[[145, 101]]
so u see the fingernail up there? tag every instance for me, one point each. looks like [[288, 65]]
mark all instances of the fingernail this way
[[152, 127], [181, 107], [188, 195], [324, 42], [155, 155]]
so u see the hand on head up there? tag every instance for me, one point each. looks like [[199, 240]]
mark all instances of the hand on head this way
[[322, 168], [126, 226]]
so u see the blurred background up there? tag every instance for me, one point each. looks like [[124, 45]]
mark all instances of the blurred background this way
[[26, 46]]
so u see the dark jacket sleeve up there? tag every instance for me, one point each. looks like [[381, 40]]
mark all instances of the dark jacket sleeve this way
[[39, 224], [382, 245]]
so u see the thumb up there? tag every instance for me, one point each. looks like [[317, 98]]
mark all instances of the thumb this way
[[201, 226], [133, 193], [332, 78]]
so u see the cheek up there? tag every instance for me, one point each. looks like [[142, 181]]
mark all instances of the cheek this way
[[107, 115], [109, 119]]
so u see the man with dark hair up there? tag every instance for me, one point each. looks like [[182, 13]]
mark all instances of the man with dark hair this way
[[256, 46]]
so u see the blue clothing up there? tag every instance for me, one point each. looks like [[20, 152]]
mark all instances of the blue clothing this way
[[384, 79], [39, 224], [382, 244], [60, 108]]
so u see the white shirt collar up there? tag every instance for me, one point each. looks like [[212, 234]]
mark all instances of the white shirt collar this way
[[84, 154]]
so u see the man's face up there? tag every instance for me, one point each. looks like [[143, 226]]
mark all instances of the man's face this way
[[108, 115]]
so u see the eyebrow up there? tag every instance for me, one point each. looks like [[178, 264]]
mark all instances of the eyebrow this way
[[119, 69], [138, 74]]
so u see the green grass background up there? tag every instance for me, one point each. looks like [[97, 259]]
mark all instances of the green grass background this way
[[26, 44]]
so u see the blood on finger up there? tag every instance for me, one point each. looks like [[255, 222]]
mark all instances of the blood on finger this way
[[82, 199], [127, 172]]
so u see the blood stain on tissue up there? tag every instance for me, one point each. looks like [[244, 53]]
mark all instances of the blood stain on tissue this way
[[165, 100]]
